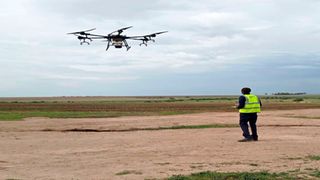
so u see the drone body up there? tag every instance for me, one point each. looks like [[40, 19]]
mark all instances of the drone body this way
[[115, 38]]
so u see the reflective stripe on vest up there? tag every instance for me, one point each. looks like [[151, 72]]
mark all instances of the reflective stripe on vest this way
[[252, 104]]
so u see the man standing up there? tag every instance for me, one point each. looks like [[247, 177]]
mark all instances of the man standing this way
[[249, 105]]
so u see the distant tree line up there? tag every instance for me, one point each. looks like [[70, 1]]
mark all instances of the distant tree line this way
[[287, 93]]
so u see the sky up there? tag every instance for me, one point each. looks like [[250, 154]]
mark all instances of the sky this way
[[212, 47]]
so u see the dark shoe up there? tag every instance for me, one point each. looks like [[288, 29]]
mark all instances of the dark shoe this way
[[245, 140], [255, 138]]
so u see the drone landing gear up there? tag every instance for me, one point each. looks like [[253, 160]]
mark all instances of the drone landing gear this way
[[145, 41], [126, 44], [108, 45], [81, 43], [83, 40]]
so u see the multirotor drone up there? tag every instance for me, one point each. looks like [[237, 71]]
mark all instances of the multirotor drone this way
[[114, 38]]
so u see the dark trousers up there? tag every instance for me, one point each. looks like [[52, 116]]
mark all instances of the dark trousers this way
[[252, 119]]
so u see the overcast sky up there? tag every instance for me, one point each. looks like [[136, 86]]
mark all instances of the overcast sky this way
[[213, 47]]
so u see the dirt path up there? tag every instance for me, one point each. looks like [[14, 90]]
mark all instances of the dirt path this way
[[39, 148]]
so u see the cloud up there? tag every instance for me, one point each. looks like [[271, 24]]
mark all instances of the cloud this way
[[232, 40]]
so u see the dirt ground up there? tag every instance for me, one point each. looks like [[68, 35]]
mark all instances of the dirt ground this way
[[40, 148]]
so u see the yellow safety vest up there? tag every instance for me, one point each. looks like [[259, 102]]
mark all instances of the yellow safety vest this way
[[252, 104]]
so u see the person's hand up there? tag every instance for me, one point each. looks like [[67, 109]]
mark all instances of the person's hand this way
[[236, 104]]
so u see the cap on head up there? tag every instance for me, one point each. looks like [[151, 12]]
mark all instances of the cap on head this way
[[245, 90]]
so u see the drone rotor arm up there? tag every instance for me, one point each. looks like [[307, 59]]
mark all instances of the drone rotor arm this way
[[119, 31], [134, 37], [99, 37], [144, 41], [137, 39]]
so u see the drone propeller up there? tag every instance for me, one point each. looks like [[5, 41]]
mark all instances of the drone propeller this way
[[121, 30], [82, 32], [154, 34], [146, 37]]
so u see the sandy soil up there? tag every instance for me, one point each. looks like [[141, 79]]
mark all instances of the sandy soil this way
[[40, 148]]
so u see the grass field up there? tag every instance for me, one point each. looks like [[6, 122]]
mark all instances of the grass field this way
[[80, 107], [185, 147]]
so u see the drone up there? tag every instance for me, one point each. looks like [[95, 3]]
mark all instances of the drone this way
[[114, 38]]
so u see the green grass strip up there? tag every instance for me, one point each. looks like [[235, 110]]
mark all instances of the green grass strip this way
[[8, 116], [315, 173], [20, 115], [314, 157], [233, 176], [14, 116]]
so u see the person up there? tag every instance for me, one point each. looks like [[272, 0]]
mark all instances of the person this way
[[249, 105]]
